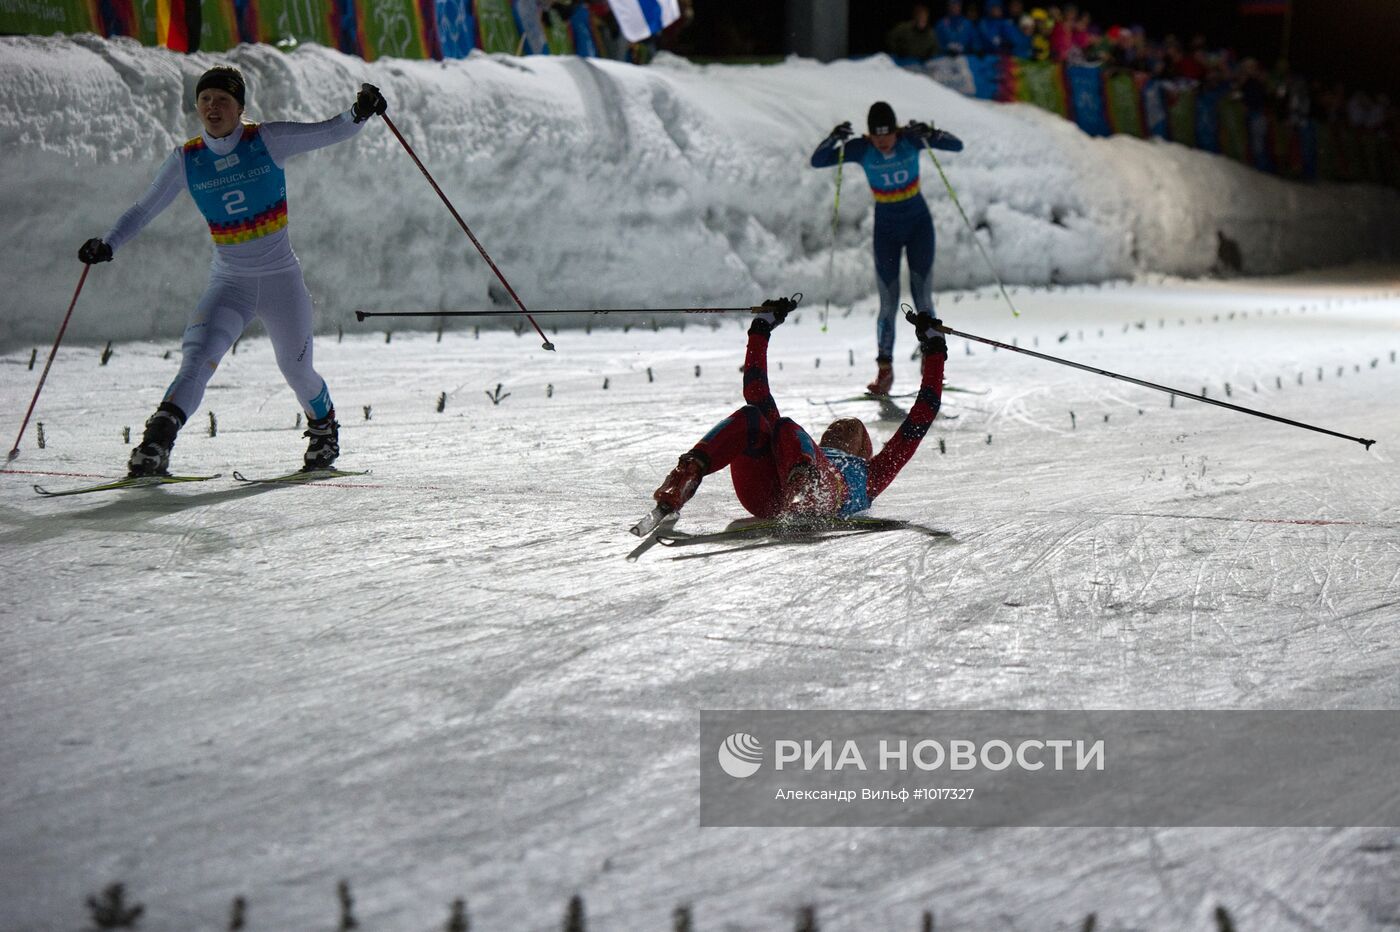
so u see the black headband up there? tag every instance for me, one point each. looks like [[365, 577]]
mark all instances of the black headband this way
[[224, 79]]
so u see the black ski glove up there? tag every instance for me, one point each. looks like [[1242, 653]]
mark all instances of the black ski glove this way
[[920, 130], [95, 251], [928, 330], [842, 132], [774, 312], [368, 103]]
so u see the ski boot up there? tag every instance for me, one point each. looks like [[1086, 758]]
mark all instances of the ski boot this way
[[884, 378], [324, 442], [151, 457], [680, 484]]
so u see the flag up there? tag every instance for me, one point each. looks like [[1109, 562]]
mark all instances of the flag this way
[[1263, 7], [642, 18]]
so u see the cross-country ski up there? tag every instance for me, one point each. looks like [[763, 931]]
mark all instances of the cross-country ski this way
[[127, 482]]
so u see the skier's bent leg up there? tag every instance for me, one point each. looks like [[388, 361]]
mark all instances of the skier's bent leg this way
[[738, 440], [217, 322]]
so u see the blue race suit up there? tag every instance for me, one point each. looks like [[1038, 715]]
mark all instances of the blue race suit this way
[[902, 221]]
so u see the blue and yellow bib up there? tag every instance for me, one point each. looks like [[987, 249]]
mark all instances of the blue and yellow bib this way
[[243, 195], [893, 178], [856, 472]]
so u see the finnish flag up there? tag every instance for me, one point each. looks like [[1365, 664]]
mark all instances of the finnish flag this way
[[642, 18]]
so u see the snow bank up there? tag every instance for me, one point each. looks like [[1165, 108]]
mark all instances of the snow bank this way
[[597, 184]]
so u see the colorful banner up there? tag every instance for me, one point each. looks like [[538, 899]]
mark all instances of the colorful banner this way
[[1181, 115], [581, 28], [1043, 84], [1208, 120], [246, 19], [986, 75], [289, 23], [392, 28], [1124, 95], [1234, 128], [558, 34], [1087, 91], [1155, 115], [46, 17], [495, 22], [952, 72], [113, 18], [456, 28]]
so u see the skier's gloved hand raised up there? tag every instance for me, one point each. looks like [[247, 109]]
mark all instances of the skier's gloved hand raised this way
[[917, 129], [94, 251], [775, 311], [928, 329], [368, 103], [841, 132]]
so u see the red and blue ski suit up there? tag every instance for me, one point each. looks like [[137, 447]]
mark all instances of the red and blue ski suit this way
[[761, 447]]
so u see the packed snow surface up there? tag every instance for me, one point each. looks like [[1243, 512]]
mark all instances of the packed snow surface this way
[[444, 679]]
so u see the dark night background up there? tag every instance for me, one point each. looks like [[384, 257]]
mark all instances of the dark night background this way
[[1355, 41]]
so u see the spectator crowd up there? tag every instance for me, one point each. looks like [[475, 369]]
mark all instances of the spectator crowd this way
[[1069, 35]]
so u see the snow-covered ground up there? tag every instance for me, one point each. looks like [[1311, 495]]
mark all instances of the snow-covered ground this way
[[444, 680]]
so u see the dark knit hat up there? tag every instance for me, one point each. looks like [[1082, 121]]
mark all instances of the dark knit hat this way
[[881, 120], [222, 78]]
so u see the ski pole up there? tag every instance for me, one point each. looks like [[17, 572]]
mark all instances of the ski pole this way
[[835, 215], [975, 241], [361, 315], [465, 229], [14, 451], [1153, 385]]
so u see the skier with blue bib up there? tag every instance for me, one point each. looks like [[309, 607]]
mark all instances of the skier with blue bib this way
[[890, 156], [233, 171]]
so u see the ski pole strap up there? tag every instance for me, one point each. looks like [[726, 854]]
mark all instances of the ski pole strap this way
[[975, 241], [1153, 385]]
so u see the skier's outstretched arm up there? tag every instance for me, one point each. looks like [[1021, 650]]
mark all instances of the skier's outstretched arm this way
[[756, 391], [900, 448], [169, 181], [285, 140]]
